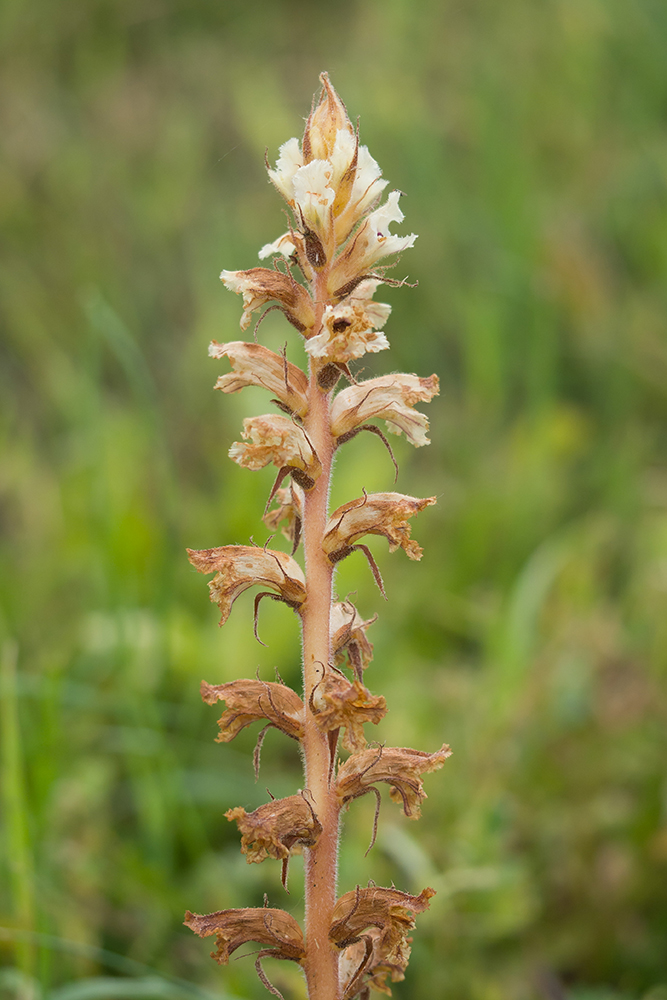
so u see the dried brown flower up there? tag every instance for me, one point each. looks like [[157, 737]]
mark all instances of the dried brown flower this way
[[348, 637], [400, 767], [289, 509], [260, 285], [248, 701], [253, 364], [232, 928], [391, 397], [371, 927], [374, 514], [238, 567], [272, 438], [336, 703]]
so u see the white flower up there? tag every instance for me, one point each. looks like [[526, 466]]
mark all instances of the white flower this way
[[283, 245], [350, 329], [313, 193], [288, 163]]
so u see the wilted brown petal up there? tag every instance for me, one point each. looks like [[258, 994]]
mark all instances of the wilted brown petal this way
[[248, 701], [372, 926], [260, 285], [336, 702], [238, 567], [290, 510], [275, 828], [348, 636], [273, 928], [374, 514], [276, 439], [391, 397], [399, 767], [253, 364]]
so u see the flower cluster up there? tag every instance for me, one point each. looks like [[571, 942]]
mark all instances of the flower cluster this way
[[327, 268]]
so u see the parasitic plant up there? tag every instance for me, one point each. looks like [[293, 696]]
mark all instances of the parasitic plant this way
[[326, 269]]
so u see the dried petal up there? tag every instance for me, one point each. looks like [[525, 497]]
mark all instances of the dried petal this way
[[348, 636], [391, 397], [336, 702], [324, 123], [260, 285], [238, 567], [253, 364], [274, 928], [399, 767], [289, 509], [374, 514], [350, 329], [382, 919], [275, 439], [275, 828], [248, 701]]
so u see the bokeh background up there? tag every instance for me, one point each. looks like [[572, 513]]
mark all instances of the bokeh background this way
[[530, 137]]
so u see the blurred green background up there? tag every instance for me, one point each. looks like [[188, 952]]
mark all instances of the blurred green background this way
[[530, 137]]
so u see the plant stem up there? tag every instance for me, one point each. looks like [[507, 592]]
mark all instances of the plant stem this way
[[321, 964]]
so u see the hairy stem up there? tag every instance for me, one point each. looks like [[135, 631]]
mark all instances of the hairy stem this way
[[321, 861]]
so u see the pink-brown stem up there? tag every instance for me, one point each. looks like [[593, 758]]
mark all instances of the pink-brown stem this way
[[321, 964]]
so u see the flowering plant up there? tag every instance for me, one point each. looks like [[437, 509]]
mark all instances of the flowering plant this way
[[338, 237]]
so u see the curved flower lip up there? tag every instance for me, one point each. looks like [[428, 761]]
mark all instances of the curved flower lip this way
[[272, 830], [238, 567], [400, 767], [374, 514], [275, 439], [389, 397], [253, 364], [273, 928], [260, 285], [248, 701]]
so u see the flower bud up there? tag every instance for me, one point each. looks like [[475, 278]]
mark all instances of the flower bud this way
[[374, 514], [278, 440], [260, 285], [273, 928], [238, 567], [253, 364], [324, 123], [397, 766], [390, 397]]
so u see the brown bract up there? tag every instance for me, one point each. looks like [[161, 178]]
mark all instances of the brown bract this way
[[274, 928], [275, 828], [337, 703], [238, 567], [400, 767], [348, 636], [253, 364], [278, 440], [391, 397], [372, 926], [374, 514], [260, 285], [248, 701]]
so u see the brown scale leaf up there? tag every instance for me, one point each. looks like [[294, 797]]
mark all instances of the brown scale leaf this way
[[371, 927], [272, 830], [238, 567], [273, 928], [248, 701], [337, 703], [399, 767]]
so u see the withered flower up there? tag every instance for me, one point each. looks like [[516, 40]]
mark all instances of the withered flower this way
[[374, 514], [371, 927], [399, 767], [267, 926], [238, 567], [272, 830], [336, 702], [289, 509], [391, 397], [253, 364], [348, 637], [260, 285], [248, 701], [276, 439], [351, 328]]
